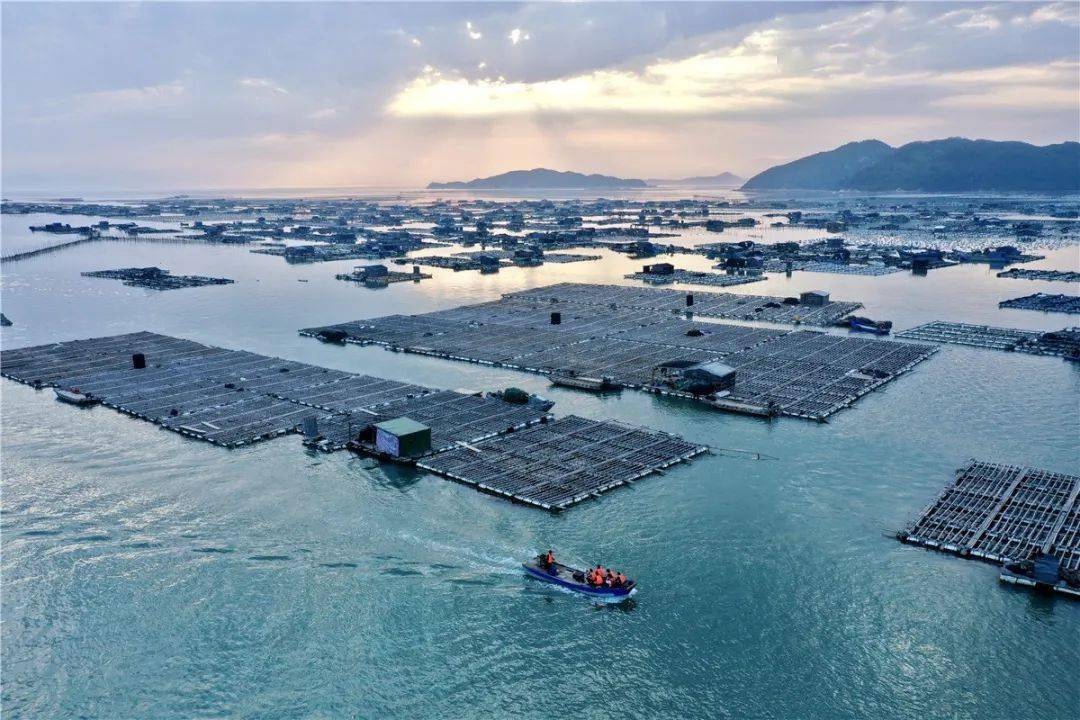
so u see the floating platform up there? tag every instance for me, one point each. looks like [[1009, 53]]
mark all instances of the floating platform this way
[[453, 417], [1003, 513], [559, 258], [234, 398], [836, 268], [377, 281], [505, 258], [798, 373], [155, 278], [446, 262], [1060, 343], [1048, 275], [559, 464], [1044, 302], [728, 306], [693, 277]]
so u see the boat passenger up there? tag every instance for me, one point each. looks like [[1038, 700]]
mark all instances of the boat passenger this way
[[622, 579], [549, 560]]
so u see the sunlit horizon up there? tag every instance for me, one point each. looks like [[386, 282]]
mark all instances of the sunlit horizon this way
[[395, 96]]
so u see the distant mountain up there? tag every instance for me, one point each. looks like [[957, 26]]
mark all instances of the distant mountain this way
[[950, 165], [724, 179], [541, 179], [824, 170], [957, 164]]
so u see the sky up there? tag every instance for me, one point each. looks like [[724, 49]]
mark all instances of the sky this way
[[169, 96]]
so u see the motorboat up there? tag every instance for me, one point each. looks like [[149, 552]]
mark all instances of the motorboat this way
[[862, 324], [573, 579], [74, 396]]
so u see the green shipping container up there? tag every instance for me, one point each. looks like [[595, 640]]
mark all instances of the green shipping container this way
[[403, 437]]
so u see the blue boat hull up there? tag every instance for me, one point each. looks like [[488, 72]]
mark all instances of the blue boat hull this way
[[873, 329], [565, 579]]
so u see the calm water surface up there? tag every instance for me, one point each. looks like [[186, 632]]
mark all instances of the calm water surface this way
[[149, 576]]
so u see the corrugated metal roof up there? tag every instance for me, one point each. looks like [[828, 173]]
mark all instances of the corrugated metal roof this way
[[401, 426]]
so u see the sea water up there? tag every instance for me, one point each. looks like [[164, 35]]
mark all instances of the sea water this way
[[146, 575]]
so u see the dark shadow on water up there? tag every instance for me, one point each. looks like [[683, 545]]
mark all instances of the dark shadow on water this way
[[1042, 604], [91, 538], [396, 477], [338, 565], [471, 581], [269, 557], [41, 533], [402, 572], [212, 550]]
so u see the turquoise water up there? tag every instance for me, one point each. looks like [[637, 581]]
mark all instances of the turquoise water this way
[[149, 576]]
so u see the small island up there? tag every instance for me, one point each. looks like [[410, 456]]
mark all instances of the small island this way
[[724, 179], [542, 179]]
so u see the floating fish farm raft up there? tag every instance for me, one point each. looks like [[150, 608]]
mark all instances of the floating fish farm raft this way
[[1045, 302], [778, 372], [816, 266], [1002, 513], [453, 417], [1064, 343], [381, 278], [561, 463], [155, 278], [548, 257], [1031, 274], [728, 306], [234, 398], [500, 258], [693, 277]]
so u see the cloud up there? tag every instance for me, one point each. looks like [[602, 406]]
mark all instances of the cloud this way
[[707, 82], [135, 97], [1060, 13], [783, 67], [518, 35], [968, 19], [323, 114], [1017, 96], [262, 84], [606, 91], [980, 21], [472, 32]]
